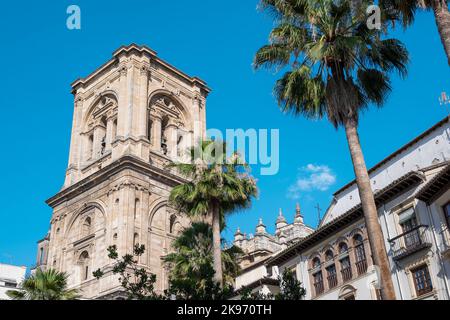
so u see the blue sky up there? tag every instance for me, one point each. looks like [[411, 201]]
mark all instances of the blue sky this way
[[213, 40]]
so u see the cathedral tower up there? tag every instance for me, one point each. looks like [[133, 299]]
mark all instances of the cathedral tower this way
[[131, 116]]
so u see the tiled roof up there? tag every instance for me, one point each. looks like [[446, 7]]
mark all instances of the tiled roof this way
[[382, 196], [436, 186]]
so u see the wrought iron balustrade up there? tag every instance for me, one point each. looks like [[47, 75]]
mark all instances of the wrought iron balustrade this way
[[332, 281], [361, 267], [410, 242], [346, 274], [319, 288]]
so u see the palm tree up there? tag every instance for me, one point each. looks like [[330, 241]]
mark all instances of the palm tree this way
[[336, 68], [193, 259], [405, 11], [216, 186], [44, 285]]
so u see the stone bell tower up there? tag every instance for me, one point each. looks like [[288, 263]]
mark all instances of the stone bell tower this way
[[131, 116]]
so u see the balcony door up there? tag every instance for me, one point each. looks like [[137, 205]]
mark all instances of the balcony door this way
[[408, 223]]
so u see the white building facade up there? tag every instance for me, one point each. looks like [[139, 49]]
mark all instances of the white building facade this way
[[412, 193], [10, 278]]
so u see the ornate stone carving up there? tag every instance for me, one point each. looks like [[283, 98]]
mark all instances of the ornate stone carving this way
[[134, 185]]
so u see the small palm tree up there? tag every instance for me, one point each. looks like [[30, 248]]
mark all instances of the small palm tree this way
[[405, 11], [44, 285], [337, 67], [216, 186], [193, 259]]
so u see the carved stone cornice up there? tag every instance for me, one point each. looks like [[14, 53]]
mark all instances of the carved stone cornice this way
[[123, 69], [144, 69], [130, 184], [79, 99]]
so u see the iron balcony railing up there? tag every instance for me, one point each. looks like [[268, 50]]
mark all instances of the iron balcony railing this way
[[410, 242], [332, 280], [319, 288], [346, 274], [361, 267]]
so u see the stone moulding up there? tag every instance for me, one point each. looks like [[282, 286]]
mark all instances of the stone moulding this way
[[124, 163]]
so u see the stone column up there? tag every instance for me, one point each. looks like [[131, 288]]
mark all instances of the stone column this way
[[197, 126], [109, 133], [172, 137], [99, 134], [122, 116], [156, 134], [143, 103], [144, 196], [131, 196], [74, 155], [122, 222], [88, 146], [185, 145], [130, 103], [352, 257]]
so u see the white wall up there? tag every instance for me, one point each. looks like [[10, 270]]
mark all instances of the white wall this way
[[10, 274], [420, 155]]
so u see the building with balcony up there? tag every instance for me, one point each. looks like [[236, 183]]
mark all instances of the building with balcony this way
[[412, 193]]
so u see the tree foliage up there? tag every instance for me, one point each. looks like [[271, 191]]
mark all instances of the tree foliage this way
[[137, 282], [216, 185], [290, 289], [44, 285], [191, 265], [336, 65]]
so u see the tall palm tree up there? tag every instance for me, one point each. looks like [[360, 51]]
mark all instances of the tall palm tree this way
[[405, 11], [337, 67], [216, 186], [44, 285], [193, 257]]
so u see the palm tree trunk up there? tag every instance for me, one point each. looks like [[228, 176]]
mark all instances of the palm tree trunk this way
[[375, 234], [442, 17], [217, 251]]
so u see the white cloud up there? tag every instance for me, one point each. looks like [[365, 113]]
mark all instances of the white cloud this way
[[312, 177]]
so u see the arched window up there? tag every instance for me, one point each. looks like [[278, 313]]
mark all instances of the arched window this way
[[149, 128], [360, 254], [164, 123], [103, 137], [135, 240], [90, 147], [331, 270], [136, 207], [346, 269], [114, 130], [84, 264], [316, 262], [343, 248], [86, 227], [329, 255]]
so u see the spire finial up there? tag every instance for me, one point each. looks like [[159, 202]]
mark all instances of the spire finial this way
[[298, 215], [260, 228], [281, 221]]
